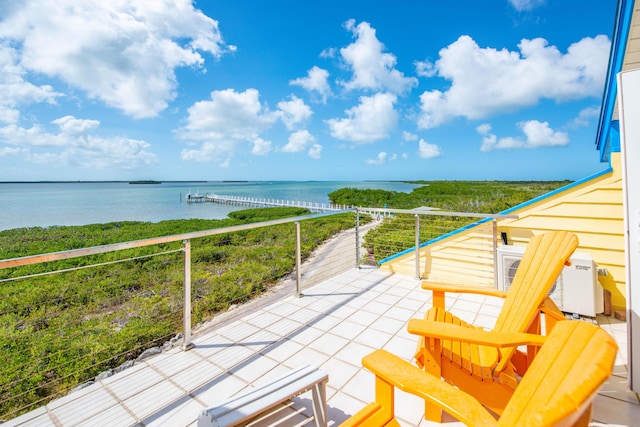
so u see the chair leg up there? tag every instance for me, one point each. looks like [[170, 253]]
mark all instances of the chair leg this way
[[319, 393], [432, 413], [585, 418], [419, 355], [385, 395], [432, 364]]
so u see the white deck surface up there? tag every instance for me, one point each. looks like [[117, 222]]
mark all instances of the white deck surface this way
[[332, 326]]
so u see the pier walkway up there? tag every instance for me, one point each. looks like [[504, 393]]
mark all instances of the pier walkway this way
[[263, 203], [257, 202]]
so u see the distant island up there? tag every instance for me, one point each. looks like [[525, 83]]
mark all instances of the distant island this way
[[145, 181]]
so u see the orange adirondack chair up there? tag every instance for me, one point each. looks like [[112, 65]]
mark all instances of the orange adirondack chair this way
[[480, 368], [557, 389]]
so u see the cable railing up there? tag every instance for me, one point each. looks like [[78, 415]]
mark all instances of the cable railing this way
[[69, 317], [72, 317], [465, 250]]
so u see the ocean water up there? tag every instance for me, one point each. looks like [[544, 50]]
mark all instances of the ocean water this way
[[47, 204]]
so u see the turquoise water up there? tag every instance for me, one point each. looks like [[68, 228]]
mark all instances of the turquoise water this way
[[46, 204]]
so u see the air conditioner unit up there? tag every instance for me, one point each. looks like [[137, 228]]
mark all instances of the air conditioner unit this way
[[576, 291]]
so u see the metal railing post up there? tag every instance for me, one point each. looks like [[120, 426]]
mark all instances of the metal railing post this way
[[495, 252], [357, 238], [417, 246], [186, 344], [298, 260]]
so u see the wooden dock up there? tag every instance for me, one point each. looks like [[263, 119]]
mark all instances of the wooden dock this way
[[256, 202]]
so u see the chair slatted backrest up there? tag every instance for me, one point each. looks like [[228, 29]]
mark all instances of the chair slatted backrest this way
[[560, 384], [542, 262]]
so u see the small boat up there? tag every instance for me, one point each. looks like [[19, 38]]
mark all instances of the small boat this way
[[194, 198]]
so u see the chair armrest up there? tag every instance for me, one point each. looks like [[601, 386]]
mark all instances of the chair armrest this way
[[549, 308], [411, 379], [462, 289], [431, 329]]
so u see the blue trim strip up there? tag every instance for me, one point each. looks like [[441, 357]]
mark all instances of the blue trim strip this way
[[614, 136], [616, 60], [508, 211], [558, 190]]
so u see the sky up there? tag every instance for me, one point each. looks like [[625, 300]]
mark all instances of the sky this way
[[301, 90]]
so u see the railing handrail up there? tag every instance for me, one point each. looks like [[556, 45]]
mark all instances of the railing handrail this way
[[93, 250], [426, 211], [113, 247]]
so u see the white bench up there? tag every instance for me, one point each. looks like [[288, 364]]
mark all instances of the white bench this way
[[246, 405]]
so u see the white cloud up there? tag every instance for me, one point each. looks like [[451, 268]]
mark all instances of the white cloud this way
[[121, 52], [408, 136], [294, 112], [298, 141], [383, 157], [427, 150], [8, 115], [536, 134], [486, 81], [372, 68], [315, 152], [525, 5], [380, 160], [10, 151], [371, 120], [75, 144], [425, 68], [70, 124], [261, 147], [585, 116], [216, 127], [15, 90], [483, 129], [316, 81], [219, 124], [330, 52], [539, 134]]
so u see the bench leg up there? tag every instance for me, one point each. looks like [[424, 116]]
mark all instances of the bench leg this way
[[319, 393]]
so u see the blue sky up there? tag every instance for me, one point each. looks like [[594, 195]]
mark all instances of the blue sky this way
[[297, 90]]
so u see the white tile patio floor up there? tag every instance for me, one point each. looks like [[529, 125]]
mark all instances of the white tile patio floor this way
[[332, 326]]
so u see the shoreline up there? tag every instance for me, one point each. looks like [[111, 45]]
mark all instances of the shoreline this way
[[47, 204]]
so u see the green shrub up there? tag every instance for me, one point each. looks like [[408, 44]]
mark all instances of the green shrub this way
[[59, 330], [397, 233]]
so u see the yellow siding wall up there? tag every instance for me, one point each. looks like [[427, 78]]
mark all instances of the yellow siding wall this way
[[632, 54], [467, 258], [593, 210]]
